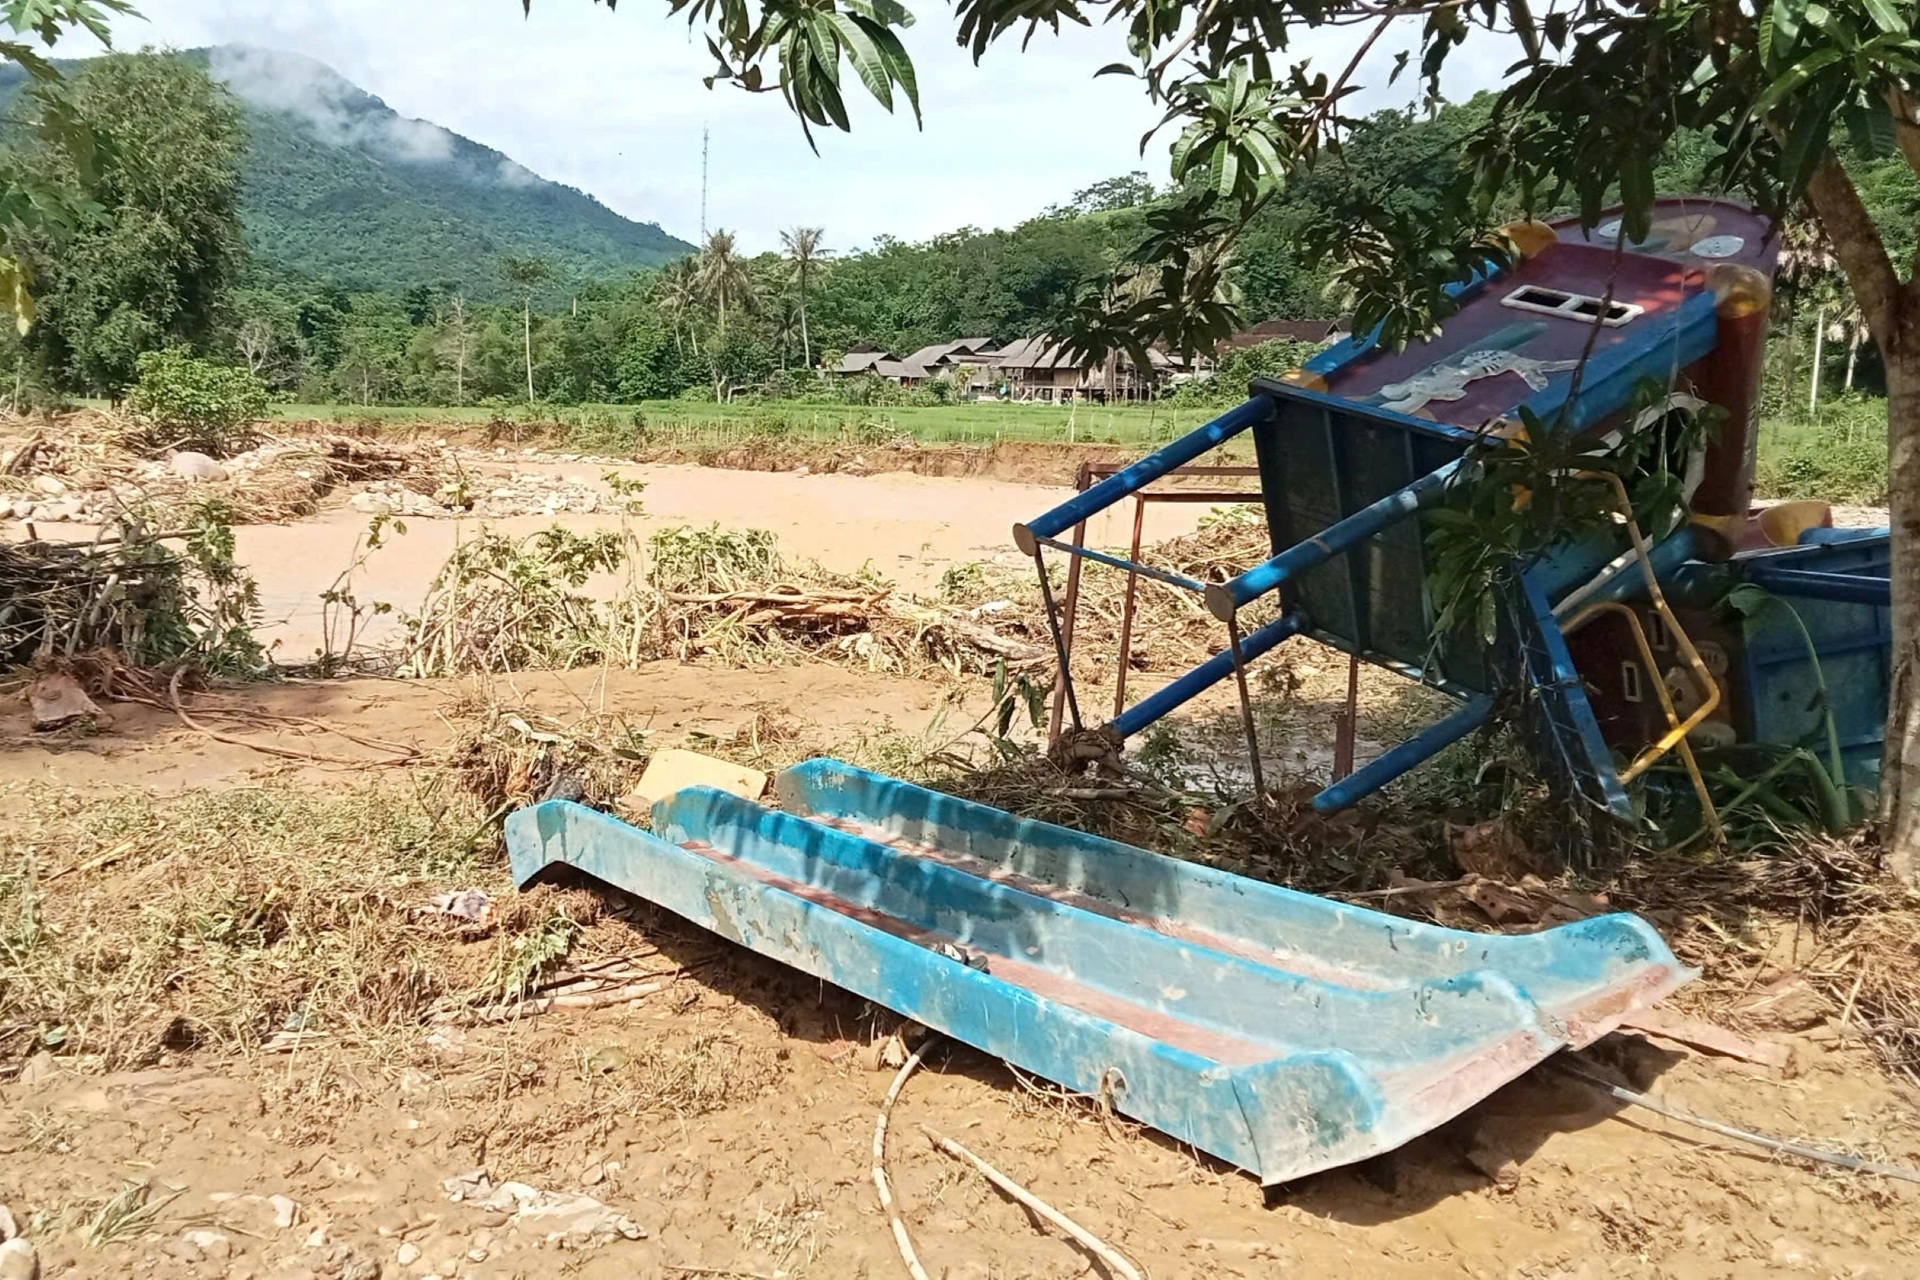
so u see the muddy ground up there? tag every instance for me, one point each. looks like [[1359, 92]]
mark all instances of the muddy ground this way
[[723, 1117]]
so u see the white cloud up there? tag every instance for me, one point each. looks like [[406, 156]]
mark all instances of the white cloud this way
[[511, 173], [613, 103], [283, 81]]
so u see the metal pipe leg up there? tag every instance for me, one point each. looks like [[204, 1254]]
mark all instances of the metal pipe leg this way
[[1246, 708], [1060, 650]]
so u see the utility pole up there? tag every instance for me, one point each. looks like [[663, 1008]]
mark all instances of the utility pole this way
[[703, 184]]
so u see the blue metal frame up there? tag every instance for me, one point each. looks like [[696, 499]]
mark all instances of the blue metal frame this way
[[1121, 484]]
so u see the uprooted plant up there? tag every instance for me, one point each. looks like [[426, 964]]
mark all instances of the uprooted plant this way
[[502, 604], [155, 598]]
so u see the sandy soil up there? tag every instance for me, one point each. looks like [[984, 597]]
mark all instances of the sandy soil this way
[[757, 1163]]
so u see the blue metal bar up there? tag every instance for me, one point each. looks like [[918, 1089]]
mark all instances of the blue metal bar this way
[[1622, 576], [1826, 537], [1224, 598], [1144, 570], [1350, 349], [1846, 587], [1416, 750], [1142, 473], [1205, 676], [1607, 385]]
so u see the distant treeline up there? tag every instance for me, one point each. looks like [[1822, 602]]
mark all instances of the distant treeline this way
[[155, 147]]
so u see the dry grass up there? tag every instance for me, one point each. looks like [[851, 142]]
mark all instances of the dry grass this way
[[239, 919], [707, 595]]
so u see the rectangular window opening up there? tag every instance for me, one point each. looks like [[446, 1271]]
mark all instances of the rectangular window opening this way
[[1657, 632], [1572, 306], [1630, 681]]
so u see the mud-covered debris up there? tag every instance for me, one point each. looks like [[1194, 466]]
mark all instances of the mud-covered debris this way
[[58, 700], [555, 1217], [466, 904]]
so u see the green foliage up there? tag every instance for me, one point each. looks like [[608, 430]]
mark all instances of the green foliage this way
[[155, 260], [189, 399], [1840, 458], [695, 561], [1516, 498]]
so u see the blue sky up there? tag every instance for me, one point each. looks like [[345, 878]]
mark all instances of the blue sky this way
[[613, 103]]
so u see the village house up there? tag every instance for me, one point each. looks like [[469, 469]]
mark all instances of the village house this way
[[1037, 368]]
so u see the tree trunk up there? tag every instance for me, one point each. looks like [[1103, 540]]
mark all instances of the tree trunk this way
[[1900, 766], [526, 315], [1853, 353], [1819, 350], [806, 343]]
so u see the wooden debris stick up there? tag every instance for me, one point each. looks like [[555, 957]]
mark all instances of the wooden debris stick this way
[[1704, 1036], [880, 1182], [1093, 1244]]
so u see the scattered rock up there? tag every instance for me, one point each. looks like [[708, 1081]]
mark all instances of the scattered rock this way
[[195, 466], [37, 1069], [184, 1250], [19, 1261], [371, 504], [351, 1264], [210, 1243], [8, 1227], [51, 486], [286, 1211], [407, 1254]]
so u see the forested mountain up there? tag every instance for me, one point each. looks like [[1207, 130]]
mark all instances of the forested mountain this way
[[338, 186]]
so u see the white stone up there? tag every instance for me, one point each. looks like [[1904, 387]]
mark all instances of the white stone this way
[[372, 504], [18, 1261], [210, 1243], [407, 1254], [52, 486], [286, 1211], [196, 466]]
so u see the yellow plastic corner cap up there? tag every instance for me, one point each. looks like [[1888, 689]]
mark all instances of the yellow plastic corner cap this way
[[1738, 290], [1530, 236], [1305, 378]]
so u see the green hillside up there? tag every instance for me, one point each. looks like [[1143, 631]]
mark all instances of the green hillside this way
[[340, 186]]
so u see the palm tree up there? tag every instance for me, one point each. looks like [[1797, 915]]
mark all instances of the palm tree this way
[[526, 275], [676, 296], [803, 249], [722, 278]]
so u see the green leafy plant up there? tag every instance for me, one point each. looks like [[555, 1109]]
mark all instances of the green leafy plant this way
[[188, 400], [1520, 495]]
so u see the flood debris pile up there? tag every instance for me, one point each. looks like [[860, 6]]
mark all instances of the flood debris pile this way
[[97, 469], [149, 598], [505, 604], [1171, 629], [476, 494]]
